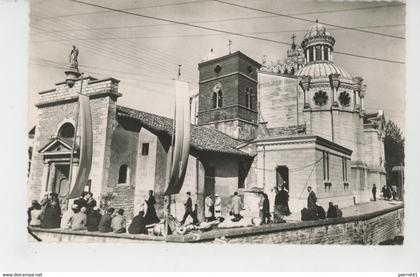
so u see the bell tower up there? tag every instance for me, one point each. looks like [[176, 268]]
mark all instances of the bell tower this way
[[228, 95]]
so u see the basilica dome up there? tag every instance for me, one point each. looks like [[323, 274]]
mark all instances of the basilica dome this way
[[323, 70]]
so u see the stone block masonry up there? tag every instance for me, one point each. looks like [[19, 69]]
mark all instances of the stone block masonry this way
[[371, 229], [59, 106]]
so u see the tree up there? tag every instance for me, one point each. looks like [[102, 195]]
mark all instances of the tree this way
[[394, 149]]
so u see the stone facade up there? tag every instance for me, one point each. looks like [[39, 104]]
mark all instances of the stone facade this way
[[266, 129], [302, 158], [59, 106], [229, 79]]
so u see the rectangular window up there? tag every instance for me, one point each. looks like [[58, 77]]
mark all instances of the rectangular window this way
[[311, 54], [326, 53], [344, 166], [145, 149], [326, 165], [318, 53]]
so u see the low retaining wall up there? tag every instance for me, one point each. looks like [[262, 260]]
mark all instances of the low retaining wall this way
[[370, 228], [58, 235]]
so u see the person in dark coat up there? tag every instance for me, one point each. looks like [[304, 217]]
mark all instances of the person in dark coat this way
[[82, 200], [90, 203], [332, 211], [93, 219], [151, 216], [277, 207], [312, 200], [52, 216], [138, 225], [374, 192], [266, 209], [189, 210], [105, 222], [284, 201]]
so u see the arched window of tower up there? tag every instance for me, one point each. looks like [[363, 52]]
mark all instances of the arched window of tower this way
[[123, 174], [247, 97], [219, 98], [66, 130], [252, 99], [214, 99]]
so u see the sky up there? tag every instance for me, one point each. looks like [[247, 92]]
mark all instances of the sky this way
[[144, 53]]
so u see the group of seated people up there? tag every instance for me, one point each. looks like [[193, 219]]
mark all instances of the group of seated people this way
[[83, 215], [319, 212]]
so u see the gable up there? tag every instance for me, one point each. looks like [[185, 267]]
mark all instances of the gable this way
[[57, 146]]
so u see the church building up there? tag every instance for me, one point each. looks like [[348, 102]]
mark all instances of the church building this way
[[296, 123]]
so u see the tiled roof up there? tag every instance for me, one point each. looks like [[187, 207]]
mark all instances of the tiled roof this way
[[203, 139]]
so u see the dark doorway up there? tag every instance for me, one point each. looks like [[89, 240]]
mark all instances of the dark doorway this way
[[209, 180], [282, 176], [61, 182]]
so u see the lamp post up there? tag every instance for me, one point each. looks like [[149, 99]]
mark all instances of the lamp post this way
[[335, 84], [304, 83]]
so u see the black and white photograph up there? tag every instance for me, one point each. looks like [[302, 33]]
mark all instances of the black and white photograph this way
[[231, 126], [216, 121]]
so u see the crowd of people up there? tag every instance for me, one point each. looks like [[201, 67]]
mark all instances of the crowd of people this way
[[387, 192], [84, 214], [313, 211], [213, 207]]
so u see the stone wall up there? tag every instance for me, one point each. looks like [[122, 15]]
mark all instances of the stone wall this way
[[300, 173], [59, 106], [352, 231], [303, 157], [337, 192], [145, 169], [235, 128], [277, 97], [237, 72]]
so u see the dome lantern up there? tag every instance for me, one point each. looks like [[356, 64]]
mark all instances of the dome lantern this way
[[318, 43]]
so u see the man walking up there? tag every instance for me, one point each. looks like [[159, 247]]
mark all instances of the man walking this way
[[312, 200], [189, 210]]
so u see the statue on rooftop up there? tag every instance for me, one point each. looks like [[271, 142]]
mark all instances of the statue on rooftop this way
[[74, 54]]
